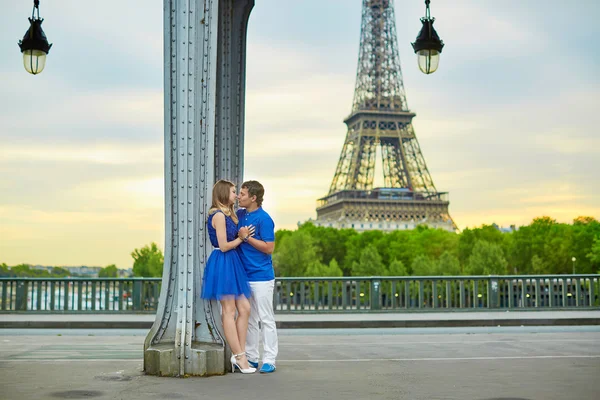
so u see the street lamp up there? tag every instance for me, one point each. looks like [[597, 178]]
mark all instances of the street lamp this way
[[573, 259], [34, 45], [428, 45]]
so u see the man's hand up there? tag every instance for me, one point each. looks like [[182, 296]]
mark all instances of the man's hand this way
[[246, 232]]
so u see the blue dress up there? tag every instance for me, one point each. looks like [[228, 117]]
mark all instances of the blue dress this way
[[224, 274]]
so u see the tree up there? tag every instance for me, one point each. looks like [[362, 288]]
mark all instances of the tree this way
[[400, 245], [435, 242], [330, 243], [295, 253], [538, 266], [448, 264], [357, 244], [487, 259], [318, 269], [148, 261], [279, 235], [25, 270], [422, 265], [586, 230], [594, 254], [396, 268], [369, 264], [469, 237], [60, 272], [110, 271]]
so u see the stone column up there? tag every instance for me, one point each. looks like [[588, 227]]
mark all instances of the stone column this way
[[204, 62]]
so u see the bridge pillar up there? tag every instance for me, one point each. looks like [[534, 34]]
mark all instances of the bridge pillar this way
[[204, 81]]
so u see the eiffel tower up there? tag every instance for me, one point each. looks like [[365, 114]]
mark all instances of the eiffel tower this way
[[380, 118]]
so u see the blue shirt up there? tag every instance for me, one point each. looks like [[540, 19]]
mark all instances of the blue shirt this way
[[258, 265]]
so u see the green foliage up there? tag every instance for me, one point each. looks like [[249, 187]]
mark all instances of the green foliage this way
[[545, 246], [355, 247], [110, 271], [422, 265], [148, 261], [319, 269], [594, 254], [448, 264], [487, 259], [279, 235], [396, 268], [468, 238], [59, 272], [369, 263], [542, 247], [330, 243], [537, 265], [294, 254], [25, 271]]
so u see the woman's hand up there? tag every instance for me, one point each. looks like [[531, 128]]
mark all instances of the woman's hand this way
[[246, 232]]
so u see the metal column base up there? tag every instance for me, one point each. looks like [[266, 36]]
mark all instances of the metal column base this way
[[207, 359]]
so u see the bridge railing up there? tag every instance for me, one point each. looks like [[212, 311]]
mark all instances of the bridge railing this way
[[436, 293], [79, 294], [315, 295]]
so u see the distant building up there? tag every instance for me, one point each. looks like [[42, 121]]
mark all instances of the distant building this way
[[125, 273], [510, 229], [84, 271]]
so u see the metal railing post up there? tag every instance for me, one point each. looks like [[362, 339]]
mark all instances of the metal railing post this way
[[375, 285], [137, 295], [21, 299]]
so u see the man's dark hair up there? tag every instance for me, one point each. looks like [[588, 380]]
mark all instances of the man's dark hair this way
[[255, 189]]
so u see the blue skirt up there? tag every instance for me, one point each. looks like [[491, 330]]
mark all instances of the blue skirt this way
[[224, 276]]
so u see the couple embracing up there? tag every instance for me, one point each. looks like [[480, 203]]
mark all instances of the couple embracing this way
[[239, 273]]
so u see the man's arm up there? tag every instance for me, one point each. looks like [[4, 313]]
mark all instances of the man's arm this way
[[261, 245]]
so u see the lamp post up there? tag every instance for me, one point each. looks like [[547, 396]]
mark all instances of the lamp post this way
[[428, 45], [34, 45], [573, 259]]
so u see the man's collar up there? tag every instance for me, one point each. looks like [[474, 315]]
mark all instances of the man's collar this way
[[250, 212]]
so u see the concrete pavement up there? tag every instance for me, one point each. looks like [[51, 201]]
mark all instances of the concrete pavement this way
[[322, 321], [424, 363]]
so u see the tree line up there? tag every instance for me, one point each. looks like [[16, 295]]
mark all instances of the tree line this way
[[26, 271], [545, 246], [542, 247]]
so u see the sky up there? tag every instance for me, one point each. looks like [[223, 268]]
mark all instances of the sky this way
[[508, 124]]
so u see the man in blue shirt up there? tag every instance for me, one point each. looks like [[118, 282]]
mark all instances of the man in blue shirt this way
[[255, 253]]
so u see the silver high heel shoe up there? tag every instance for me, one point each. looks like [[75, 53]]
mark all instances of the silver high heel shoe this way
[[235, 365]]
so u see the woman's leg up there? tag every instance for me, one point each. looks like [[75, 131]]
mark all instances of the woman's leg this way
[[230, 330], [241, 323]]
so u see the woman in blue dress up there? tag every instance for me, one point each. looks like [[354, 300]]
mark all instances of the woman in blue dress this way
[[224, 276]]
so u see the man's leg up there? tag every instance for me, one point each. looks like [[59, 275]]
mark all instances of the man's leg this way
[[253, 338], [264, 303]]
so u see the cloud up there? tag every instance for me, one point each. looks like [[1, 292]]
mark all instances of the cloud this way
[[99, 154]]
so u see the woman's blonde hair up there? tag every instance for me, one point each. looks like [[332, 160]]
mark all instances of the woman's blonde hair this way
[[220, 199]]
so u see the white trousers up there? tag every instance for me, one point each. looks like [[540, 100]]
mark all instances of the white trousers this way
[[261, 304]]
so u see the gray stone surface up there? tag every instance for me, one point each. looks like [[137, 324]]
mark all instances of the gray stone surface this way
[[337, 320], [450, 363]]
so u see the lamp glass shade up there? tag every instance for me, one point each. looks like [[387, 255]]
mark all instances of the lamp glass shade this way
[[34, 61], [428, 60]]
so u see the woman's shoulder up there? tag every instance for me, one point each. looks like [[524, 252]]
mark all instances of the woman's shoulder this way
[[215, 213]]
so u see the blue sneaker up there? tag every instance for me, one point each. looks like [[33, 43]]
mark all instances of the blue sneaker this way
[[253, 364], [267, 368]]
